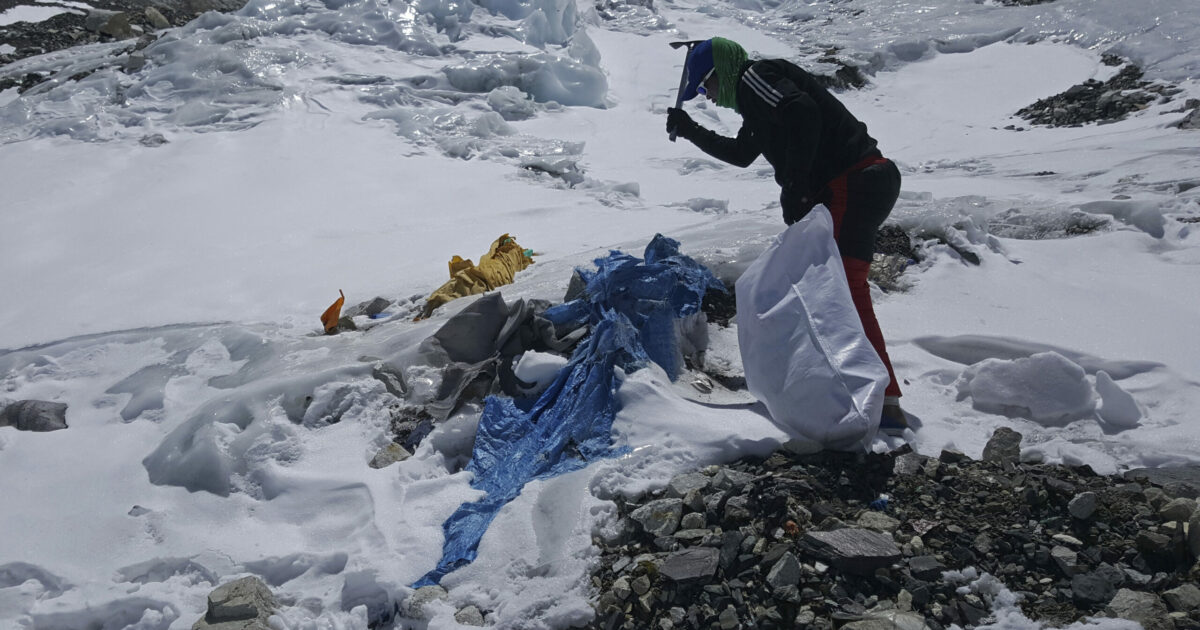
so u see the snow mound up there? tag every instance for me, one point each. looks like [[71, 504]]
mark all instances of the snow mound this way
[[1118, 410], [1047, 388]]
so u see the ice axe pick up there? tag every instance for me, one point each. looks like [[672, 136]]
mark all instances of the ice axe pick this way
[[683, 79]]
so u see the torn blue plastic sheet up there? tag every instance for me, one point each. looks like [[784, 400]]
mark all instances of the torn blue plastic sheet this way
[[631, 305]]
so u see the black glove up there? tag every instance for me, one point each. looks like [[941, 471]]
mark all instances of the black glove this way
[[795, 205], [679, 123]]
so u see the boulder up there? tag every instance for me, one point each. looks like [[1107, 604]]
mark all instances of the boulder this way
[[1177, 510], [1003, 446], [1185, 598], [1147, 609], [389, 455], [1083, 506], [697, 563], [244, 604], [1194, 534], [786, 572], [34, 415], [858, 551], [659, 518], [115, 24]]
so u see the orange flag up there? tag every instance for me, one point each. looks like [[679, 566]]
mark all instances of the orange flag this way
[[333, 313]]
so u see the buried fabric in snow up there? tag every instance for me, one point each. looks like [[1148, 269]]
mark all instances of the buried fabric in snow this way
[[631, 305], [653, 293]]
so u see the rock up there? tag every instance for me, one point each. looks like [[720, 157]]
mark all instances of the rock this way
[[878, 521], [925, 567], [785, 572], [1145, 608], [693, 521], [1188, 475], [889, 620], [727, 478], [156, 18], [1092, 588], [728, 618], [115, 24], [1184, 598], [376, 306], [696, 563], [1067, 560], [682, 485], [1193, 540], [389, 455], [34, 415], [469, 616], [1083, 506], [857, 551], [414, 607], [1177, 510], [660, 517], [951, 456], [909, 464], [1003, 446], [243, 604]]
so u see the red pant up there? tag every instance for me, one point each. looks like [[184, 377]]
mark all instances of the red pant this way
[[861, 199]]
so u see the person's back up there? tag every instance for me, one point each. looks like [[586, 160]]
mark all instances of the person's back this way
[[840, 140]]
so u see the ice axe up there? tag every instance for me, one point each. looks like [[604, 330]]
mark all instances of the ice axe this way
[[683, 79]]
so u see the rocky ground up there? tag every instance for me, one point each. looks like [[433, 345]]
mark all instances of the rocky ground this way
[[900, 540], [1109, 101]]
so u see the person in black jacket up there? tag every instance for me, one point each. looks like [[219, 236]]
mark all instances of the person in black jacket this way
[[821, 154]]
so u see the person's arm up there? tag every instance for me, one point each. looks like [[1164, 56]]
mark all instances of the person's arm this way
[[740, 151], [773, 96]]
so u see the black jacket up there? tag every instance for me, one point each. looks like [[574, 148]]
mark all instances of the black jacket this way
[[793, 121]]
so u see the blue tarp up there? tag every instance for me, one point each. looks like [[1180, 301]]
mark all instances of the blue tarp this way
[[631, 305]]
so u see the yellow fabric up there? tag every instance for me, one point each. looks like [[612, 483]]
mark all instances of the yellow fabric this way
[[496, 268], [330, 317]]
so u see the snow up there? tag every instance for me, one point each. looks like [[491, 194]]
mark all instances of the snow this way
[[171, 234]]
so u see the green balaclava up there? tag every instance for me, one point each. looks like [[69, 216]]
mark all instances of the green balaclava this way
[[728, 57]]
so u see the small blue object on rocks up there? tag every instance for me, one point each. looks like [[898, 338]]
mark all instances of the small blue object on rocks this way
[[881, 503]]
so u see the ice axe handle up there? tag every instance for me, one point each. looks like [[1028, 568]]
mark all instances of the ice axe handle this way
[[683, 79]]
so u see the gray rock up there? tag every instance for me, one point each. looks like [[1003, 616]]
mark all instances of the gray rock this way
[[1181, 490], [112, 23], [414, 607], [156, 18], [242, 604], [909, 464], [859, 551], [1003, 446], [727, 478], [1194, 534], [1177, 510], [469, 616], [738, 508], [878, 521], [729, 618], [682, 485], [1188, 475], [660, 517], [1185, 598], [1066, 559], [1145, 608], [889, 620], [34, 415], [693, 520], [786, 572], [1083, 506], [696, 563], [926, 568], [1092, 588], [389, 455]]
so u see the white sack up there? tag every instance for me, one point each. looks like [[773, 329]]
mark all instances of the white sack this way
[[803, 347]]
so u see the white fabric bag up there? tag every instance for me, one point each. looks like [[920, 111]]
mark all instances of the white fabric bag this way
[[803, 347]]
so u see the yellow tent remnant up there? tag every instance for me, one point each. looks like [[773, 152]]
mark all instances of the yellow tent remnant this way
[[496, 268], [331, 315]]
